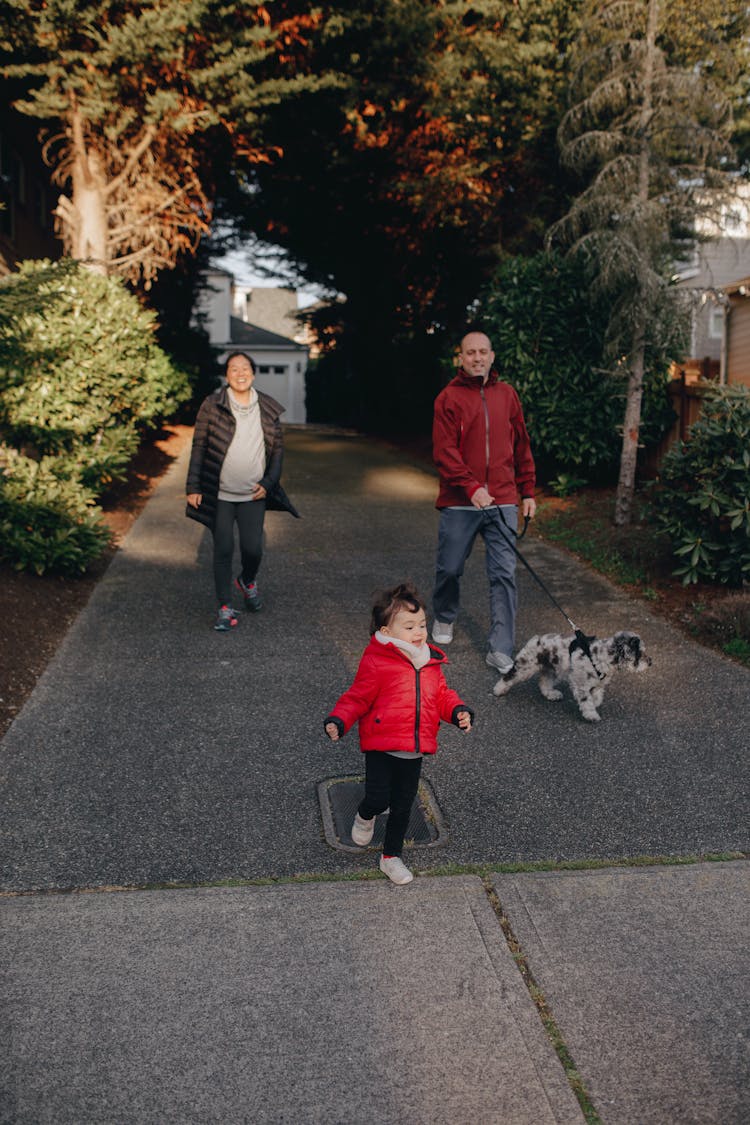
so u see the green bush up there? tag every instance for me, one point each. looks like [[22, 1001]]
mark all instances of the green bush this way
[[46, 521], [81, 380], [702, 497], [80, 373], [549, 337]]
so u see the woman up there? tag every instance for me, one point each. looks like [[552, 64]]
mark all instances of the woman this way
[[235, 467]]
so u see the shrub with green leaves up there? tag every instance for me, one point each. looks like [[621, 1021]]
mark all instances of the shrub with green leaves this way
[[47, 522], [548, 335], [81, 379], [80, 371], [702, 497]]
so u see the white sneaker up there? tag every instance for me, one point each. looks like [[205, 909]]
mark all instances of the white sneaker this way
[[362, 830], [500, 661], [442, 632], [396, 871]]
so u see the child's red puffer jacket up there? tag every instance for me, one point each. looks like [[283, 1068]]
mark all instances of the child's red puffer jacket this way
[[398, 706]]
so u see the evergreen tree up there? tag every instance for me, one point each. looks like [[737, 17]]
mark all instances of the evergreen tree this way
[[399, 189], [649, 129], [130, 95]]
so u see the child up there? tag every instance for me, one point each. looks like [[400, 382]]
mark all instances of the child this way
[[399, 696]]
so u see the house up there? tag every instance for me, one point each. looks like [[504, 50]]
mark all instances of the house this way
[[223, 309], [717, 261], [736, 349], [272, 308], [26, 195], [720, 331]]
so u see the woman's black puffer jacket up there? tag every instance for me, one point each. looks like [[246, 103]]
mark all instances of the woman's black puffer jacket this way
[[214, 430]]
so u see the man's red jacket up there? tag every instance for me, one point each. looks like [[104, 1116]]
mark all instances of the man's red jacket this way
[[479, 439]]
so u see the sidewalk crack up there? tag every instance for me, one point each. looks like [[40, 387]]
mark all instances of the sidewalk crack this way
[[551, 1027]]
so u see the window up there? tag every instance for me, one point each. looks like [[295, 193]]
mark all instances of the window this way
[[39, 203], [733, 221], [18, 177], [7, 213], [7, 216], [12, 171], [271, 369], [716, 323]]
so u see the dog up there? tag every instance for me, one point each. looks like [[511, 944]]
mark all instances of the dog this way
[[558, 658]]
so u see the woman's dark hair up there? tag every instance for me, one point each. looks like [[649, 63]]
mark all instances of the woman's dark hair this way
[[244, 355], [387, 603]]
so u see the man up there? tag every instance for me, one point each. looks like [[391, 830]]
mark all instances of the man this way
[[481, 448]]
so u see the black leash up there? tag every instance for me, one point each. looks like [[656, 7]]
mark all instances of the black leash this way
[[581, 641]]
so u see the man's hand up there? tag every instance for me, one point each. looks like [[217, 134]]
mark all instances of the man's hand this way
[[194, 499], [482, 498], [332, 731], [528, 507]]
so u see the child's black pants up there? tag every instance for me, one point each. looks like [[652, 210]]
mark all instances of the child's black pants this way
[[390, 783]]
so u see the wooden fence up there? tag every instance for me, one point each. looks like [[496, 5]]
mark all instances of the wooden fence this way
[[686, 392]]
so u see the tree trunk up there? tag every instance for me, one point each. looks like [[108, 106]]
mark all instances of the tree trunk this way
[[631, 427], [632, 423], [83, 217]]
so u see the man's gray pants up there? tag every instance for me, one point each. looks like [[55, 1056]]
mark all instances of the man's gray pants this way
[[458, 529]]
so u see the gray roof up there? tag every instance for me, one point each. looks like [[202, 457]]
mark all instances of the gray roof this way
[[251, 336]]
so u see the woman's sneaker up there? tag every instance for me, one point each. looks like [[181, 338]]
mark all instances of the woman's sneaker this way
[[226, 619], [250, 593], [362, 830], [396, 871]]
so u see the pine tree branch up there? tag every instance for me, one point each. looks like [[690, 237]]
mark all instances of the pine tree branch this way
[[131, 161]]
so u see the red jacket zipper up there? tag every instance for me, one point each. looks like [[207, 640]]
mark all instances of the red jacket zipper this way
[[486, 440], [417, 709]]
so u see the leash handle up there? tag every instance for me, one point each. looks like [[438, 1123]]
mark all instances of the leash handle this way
[[518, 534]]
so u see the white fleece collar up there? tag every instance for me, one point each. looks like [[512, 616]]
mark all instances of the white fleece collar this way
[[418, 654]]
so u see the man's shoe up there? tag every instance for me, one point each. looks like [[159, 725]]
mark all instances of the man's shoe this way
[[226, 619], [500, 661], [362, 830], [250, 594], [442, 632], [396, 871]]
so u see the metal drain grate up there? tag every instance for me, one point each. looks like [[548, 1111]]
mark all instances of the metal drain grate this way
[[340, 797]]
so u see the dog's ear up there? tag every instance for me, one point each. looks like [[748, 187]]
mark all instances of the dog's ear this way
[[639, 656], [627, 646], [620, 647]]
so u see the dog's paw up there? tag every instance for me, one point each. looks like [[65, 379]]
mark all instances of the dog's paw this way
[[590, 715], [552, 694], [502, 687]]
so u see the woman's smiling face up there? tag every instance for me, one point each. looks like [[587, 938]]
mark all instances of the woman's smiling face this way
[[239, 374]]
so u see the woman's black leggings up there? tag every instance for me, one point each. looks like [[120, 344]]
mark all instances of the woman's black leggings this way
[[390, 783], [249, 517]]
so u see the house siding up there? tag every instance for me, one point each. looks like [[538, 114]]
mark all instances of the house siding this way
[[738, 353], [718, 263]]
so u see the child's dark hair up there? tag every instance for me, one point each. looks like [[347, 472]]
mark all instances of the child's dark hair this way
[[387, 603]]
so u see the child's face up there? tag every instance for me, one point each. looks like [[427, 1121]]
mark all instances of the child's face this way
[[406, 625]]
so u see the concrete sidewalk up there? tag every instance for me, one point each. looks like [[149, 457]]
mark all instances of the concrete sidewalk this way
[[155, 751]]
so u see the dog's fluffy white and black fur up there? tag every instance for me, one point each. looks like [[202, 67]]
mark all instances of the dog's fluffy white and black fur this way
[[557, 659]]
